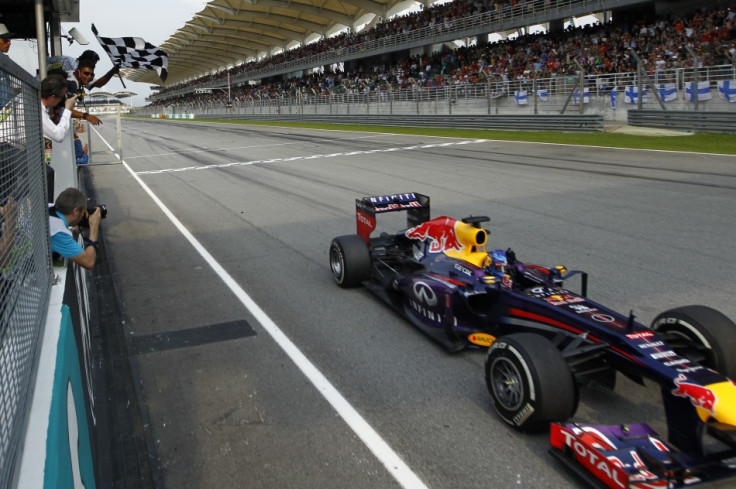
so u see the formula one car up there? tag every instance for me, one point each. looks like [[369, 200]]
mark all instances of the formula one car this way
[[546, 340]]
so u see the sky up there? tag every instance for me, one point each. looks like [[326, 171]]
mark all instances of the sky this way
[[153, 20]]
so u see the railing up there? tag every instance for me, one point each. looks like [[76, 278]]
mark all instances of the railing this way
[[556, 95], [25, 278], [520, 15], [722, 122]]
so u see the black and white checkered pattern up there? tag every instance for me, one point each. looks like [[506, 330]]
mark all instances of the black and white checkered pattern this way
[[134, 52]]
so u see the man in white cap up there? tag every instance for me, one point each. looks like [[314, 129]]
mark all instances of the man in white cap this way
[[5, 36]]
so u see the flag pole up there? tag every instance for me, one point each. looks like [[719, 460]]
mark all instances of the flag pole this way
[[120, 76]]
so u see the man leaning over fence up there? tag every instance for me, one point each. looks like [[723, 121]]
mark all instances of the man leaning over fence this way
[[56, 121], [69, 210]]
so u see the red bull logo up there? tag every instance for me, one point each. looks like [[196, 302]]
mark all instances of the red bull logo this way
[[699, 395], [440, 232]]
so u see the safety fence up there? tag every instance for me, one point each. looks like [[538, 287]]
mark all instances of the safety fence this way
[[25, 263], [722, 122], [705, 89], [565, 123]]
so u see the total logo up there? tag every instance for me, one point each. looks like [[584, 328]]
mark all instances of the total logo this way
[[605, 469], [424, 293], [363, 219]]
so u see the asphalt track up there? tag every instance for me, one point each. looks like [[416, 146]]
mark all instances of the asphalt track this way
[[255, 370]]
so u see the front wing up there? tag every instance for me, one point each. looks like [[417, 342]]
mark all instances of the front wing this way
[[634, 457]]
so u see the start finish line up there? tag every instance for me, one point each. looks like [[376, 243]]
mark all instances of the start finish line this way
[[172, 116]]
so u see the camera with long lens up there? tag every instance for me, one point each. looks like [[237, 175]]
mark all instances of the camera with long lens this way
[[92, 206]]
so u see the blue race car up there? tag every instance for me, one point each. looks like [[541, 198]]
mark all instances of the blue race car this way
[[544, 340]]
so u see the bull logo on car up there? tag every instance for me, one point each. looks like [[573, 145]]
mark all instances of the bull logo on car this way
[[440, 233], [700, 396]]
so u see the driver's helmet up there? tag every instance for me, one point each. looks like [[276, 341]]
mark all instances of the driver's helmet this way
[[500, 266], [498, 261]]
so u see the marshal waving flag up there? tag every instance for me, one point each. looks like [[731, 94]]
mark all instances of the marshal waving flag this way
[[134, 52]]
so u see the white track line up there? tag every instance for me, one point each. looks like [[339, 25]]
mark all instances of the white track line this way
[[311, 157], [383, 452]]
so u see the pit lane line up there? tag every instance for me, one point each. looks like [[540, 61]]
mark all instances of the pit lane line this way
[[310, 157], [370, 437]]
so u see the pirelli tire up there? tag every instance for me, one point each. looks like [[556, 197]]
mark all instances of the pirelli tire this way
[[701, 334], [529, 382], [350, 260]]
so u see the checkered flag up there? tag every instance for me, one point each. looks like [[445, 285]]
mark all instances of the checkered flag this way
[[134, 52]]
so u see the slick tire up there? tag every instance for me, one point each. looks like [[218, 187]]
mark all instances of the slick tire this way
[[700, 334], [529, 382], [350, 260]]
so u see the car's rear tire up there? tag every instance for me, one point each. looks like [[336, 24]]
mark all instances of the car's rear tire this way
[[529, 382], [700, 334], [350, 260]]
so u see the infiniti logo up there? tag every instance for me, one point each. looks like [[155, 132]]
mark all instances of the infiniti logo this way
[[602, 318], [425, 294]]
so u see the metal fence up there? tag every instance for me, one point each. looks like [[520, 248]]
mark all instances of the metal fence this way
[[605, 95], [25, 264]]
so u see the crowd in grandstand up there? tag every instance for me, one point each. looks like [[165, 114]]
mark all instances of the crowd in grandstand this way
[[661, 44]]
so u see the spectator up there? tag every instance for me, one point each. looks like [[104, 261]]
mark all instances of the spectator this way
[[5, 36], [80, 150], [68, 211], [53, 94], [84, 74]]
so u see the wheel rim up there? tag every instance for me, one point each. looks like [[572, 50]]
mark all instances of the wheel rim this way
[[336, 263], [506, 383], [698, 354]]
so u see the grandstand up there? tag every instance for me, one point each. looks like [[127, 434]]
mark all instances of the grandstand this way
[[100, 102], [446, 46]]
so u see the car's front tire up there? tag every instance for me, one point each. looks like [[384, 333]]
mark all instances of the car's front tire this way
[[700, 334], [350, 260], [529, 382]]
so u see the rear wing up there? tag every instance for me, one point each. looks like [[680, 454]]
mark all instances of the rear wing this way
[[415, 204]]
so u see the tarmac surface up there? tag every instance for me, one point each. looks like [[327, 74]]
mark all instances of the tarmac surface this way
[[229, 358]]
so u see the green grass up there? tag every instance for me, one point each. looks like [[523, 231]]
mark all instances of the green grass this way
[[697, 142]]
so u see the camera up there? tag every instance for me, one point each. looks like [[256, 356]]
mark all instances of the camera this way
[[92, 206], [102, 207]]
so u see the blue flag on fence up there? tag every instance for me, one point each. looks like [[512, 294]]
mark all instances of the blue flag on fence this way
[[543, 94], [703, 91], [631, 94], [614, 92], [667, 92], [727, 90], [576, 96], [521, 97]]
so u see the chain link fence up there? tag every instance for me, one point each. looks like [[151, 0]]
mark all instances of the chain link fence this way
[[25, 263]]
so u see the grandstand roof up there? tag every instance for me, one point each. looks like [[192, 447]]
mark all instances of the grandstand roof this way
[[103, 94], [229, 32]]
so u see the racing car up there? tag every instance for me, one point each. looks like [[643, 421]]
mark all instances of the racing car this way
[[545, 340]]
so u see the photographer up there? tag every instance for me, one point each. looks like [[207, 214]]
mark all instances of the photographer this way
[[53, 95], [68, 211]]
